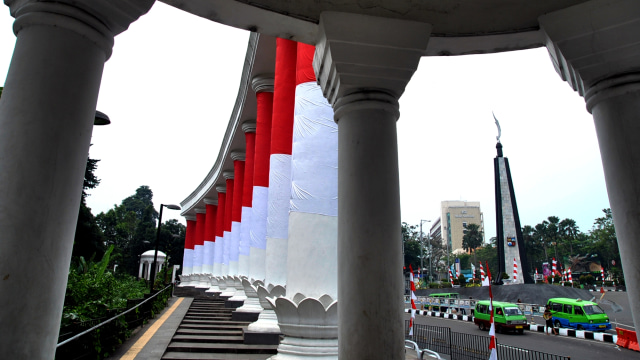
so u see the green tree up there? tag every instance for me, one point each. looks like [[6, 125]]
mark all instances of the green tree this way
[[472, 238], [88, 240], [569, 231], [604, 242]]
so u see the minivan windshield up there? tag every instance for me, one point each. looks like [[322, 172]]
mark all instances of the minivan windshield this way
[[510, 311], [592, 309]]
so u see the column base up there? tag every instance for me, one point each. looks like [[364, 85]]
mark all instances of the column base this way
[[297, 348]]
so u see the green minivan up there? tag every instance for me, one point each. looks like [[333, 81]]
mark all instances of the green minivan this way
[[506, 316], [578, 314]]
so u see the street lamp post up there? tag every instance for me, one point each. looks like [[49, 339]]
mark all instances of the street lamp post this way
[[421, 256], [155, 254]]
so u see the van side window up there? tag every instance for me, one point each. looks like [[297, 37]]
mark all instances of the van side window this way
[[578, 310], [483, 309], [568, 309], [556, 307]]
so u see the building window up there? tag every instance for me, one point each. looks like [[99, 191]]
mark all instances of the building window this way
[[464, 225]]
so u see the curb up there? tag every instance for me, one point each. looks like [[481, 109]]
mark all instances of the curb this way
[[581, 334]]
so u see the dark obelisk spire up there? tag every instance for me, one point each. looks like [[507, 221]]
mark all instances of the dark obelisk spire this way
[[508, 230]]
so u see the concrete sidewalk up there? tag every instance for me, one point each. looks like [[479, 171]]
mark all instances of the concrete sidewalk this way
[[147, 346]]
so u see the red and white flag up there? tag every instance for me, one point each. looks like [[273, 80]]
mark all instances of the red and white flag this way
[[485, 279], [569, 275], [450, 276], [515, 270], [413, 300], [492, 329], [481, 272]]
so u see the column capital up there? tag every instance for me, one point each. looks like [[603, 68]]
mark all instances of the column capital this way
[[190, 217], [380, 56], [237, 155], [228, 174], [208, 201], [262, 83], [200, 210], [249, 126], [221, 189], [594, 41], [98, 21]]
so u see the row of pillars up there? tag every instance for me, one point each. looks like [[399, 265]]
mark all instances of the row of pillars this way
[[48, 105]]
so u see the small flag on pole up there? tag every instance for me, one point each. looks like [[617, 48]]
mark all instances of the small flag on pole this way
[[450, 276], [515, 270], [485, 279], [569, 274], [535, 280], [492, 329]]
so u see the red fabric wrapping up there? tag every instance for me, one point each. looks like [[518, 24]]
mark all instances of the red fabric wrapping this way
[[188, 236], [247, 187], [220, 214], [263, 139], [210, 224], [304, 64], [201, 218], [284, 93], [238, 175], [228, 206]]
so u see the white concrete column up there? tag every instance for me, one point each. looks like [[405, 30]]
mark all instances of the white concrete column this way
[[218, 247], [140, 270], [362, 74], [226, 237], [198, 247], [244, 247], [187, 260], [46, 116], [597, 53]]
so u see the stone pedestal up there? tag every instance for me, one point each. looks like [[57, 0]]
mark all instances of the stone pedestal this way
[[267, 321]]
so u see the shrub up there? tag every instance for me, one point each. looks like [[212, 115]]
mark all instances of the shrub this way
[[434, 285], [462, 280], [446, 284]]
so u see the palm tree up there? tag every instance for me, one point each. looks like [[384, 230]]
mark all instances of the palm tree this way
[[553, 232], [472, 239], [569, 231], [540, 234]]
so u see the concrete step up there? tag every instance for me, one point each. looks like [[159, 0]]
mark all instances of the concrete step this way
[[229, 332], [207, 316], [213, 356], [211, 326], [220, 322], [227, 339], [221, 348]]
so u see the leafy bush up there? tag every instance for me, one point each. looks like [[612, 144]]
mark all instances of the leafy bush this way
[[462, 280], [587, 279], [445, 284], [434, 285]]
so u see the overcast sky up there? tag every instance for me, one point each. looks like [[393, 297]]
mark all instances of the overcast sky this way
[[171, 83]]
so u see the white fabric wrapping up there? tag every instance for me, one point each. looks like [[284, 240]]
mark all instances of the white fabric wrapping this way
[[234, 249], [279, 194], [226, 248], [314, 161], [207, 259], [258, 229], [187, 262], [245, 231], [198, 251], [217, 255]]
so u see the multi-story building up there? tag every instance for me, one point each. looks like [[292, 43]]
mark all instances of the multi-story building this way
[[454, 218]]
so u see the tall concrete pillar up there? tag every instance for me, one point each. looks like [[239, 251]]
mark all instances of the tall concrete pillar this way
[[198, 248], [236, 210], [244, 264], [46, 116], [362, 74], [218, 247], [226, 249], [263, 86], [187, 258], [597, 53], [211, 206]]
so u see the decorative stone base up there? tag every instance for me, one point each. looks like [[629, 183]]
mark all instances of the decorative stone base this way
[[261, 338], [244, 316]]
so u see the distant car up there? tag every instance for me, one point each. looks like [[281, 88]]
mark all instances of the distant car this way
[[578, 314], [506, 316]]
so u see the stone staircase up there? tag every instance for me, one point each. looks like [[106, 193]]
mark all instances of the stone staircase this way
[[207, 332]]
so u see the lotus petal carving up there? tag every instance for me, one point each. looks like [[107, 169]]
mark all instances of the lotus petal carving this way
[[307, 317]]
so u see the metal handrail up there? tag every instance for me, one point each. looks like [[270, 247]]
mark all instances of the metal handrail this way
[[113, 318], [409, 344]]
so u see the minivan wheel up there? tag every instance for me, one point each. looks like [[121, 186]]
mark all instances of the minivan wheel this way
[[580, 327], [520, 331], [557, 324], [481, 326]]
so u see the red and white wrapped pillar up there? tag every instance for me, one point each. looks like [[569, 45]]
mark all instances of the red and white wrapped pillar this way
[[412, 284], [249, 128], [187, 258], [218, 246], [198, 248], [515, 270], [226, 237], [209, 235], [481, 273], [280, 163], [236, 211], [263, 86]]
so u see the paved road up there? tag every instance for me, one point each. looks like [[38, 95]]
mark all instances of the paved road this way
[[559, 345]]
